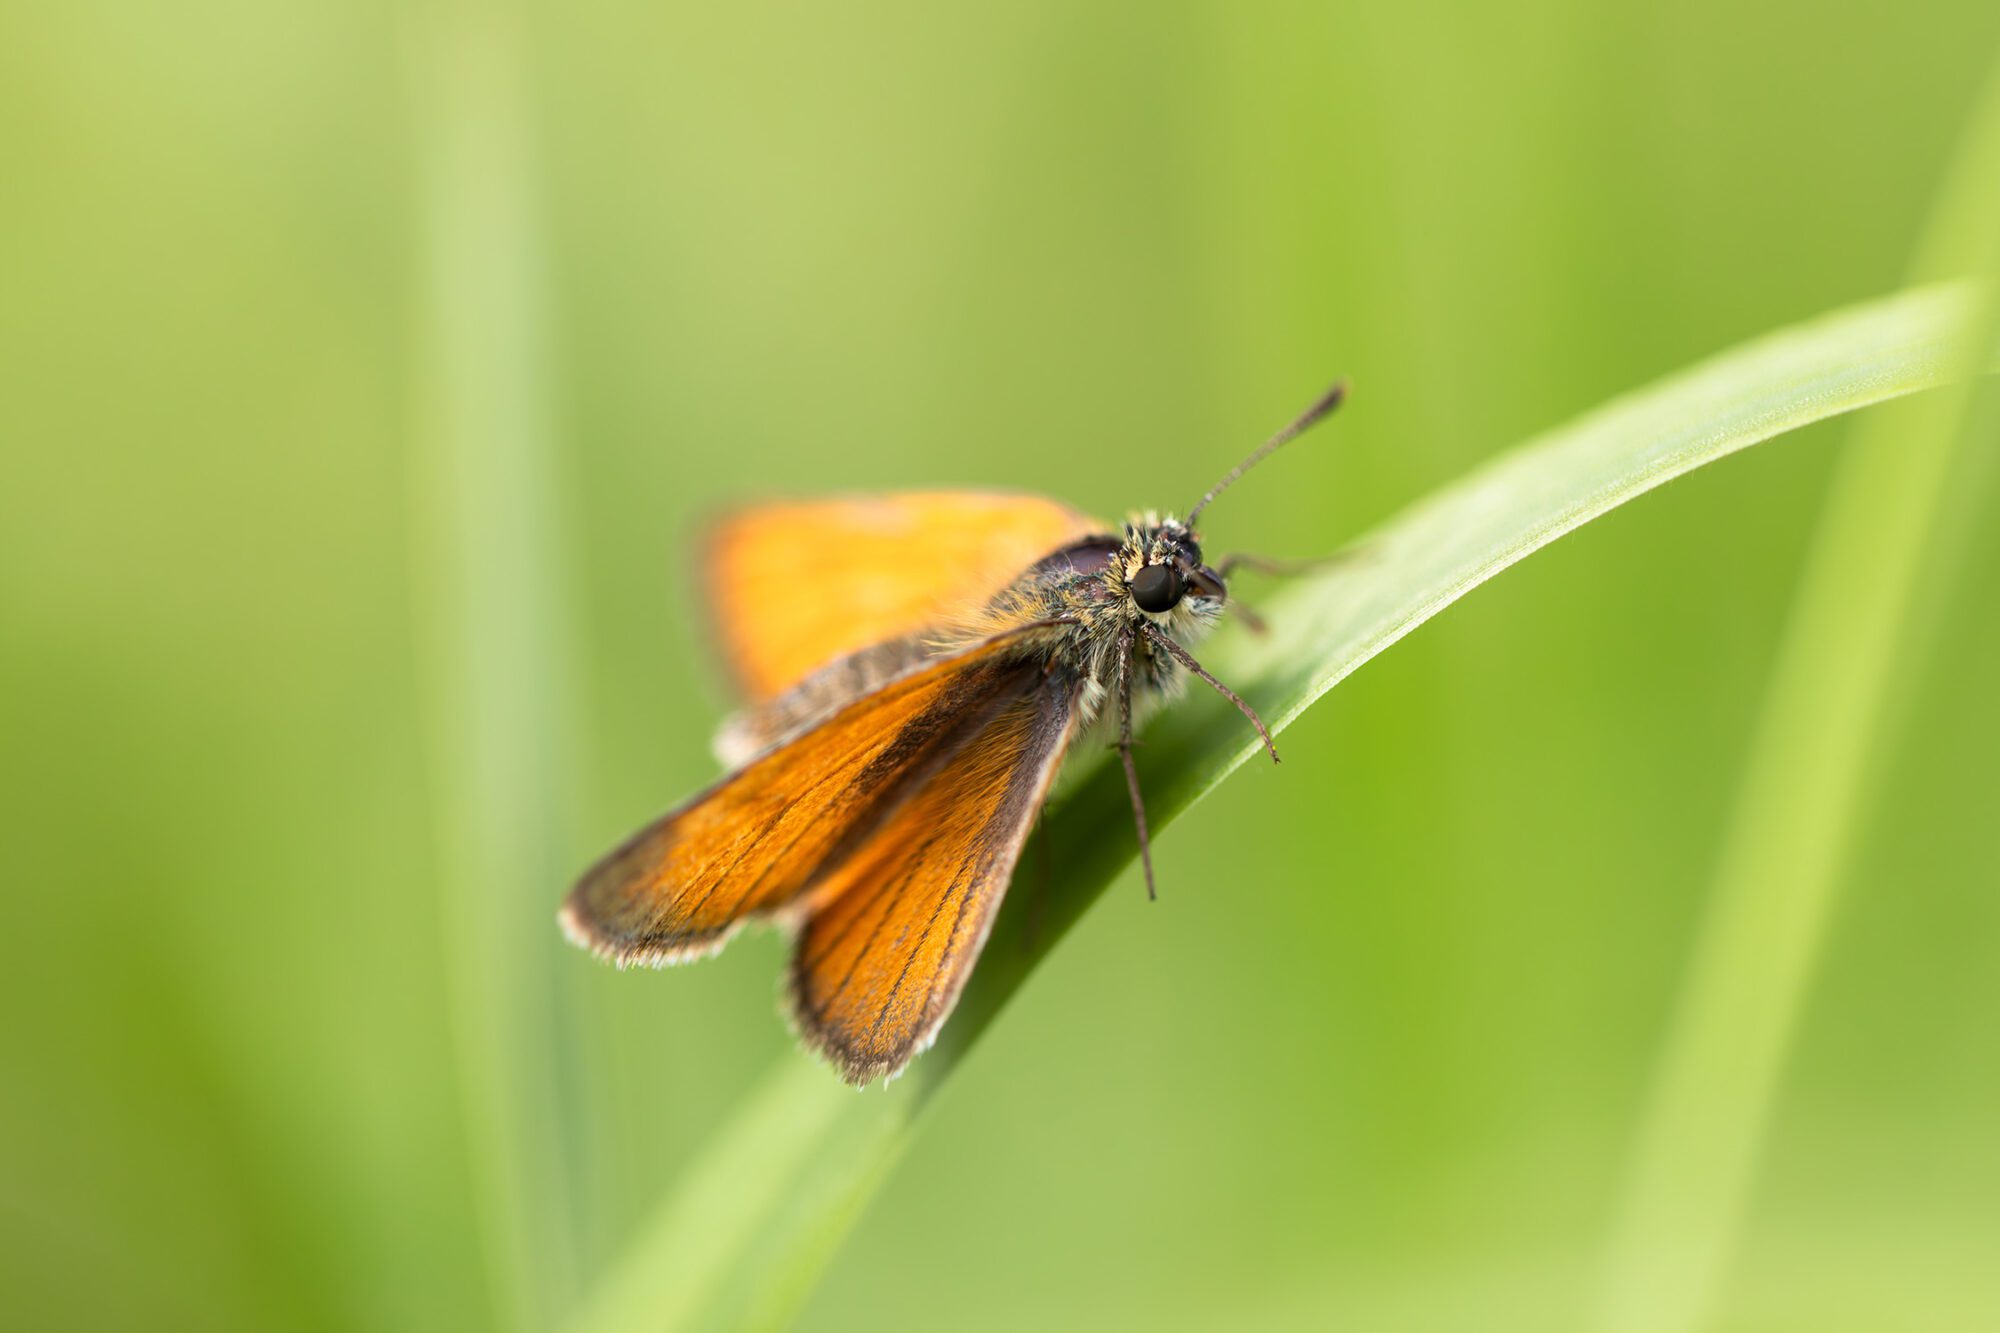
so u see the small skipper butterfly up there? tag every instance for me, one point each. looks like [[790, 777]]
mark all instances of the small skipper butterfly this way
[[917, 666]]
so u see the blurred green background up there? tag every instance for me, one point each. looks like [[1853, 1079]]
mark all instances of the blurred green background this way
[[367, 367]]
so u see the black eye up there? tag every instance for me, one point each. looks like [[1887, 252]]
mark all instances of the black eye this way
[[1156, 588]]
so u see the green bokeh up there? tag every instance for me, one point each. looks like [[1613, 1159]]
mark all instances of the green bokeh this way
[[1374, 1060]]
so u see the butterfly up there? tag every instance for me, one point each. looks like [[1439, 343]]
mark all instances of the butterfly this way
[[916, 667]]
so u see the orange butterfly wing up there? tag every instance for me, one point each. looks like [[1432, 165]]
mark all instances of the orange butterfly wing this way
[[752, 844], [796, 585], [881, 961]]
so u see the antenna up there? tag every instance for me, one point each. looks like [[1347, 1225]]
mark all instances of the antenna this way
[[1306, 420]]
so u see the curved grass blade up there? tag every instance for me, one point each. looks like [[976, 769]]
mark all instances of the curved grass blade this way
[[803, 1176]]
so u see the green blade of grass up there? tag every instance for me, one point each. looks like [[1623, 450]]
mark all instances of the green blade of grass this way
[[488, 629], [1891, 529], [793, 1176]]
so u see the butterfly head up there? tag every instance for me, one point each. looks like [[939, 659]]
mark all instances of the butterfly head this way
[[1163, 568]]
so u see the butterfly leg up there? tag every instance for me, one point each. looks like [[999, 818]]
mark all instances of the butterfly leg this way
[[1251, 620], [1125, 758], [1258, 564], [1155, 635], [1263, 564]]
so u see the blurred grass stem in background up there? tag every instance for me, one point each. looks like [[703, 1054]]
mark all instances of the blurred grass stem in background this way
[[488, 573], [1892, 526]]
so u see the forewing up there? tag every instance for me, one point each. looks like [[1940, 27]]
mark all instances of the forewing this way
[[750, 845], [897, 926], [796, 585]]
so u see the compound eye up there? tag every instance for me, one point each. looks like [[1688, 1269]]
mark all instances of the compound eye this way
[[1157, 588]]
